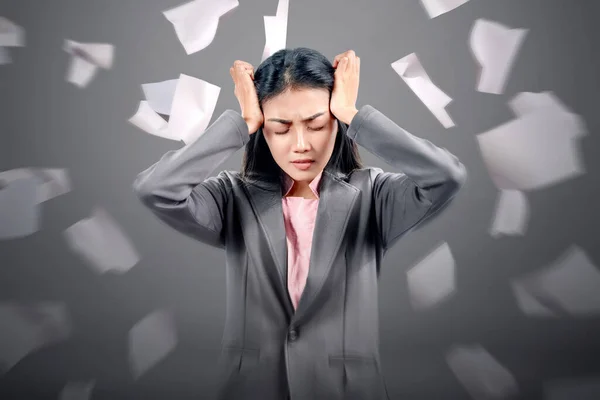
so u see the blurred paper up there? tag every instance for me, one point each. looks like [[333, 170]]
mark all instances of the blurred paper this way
[[101, 242], [570, 285], [52, 182], [438, 7], [190, 107], [11, 35], [19, 211], [412, 72], [86, 58], [537, 149], [495, 48], [512, 214], [432, 280], [276, 30], [27, 328], [480, 374], [196, 22], [583, 388], [150, 341], [529, 303], [77, 391]]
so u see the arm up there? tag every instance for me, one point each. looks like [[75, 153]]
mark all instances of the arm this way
[[178, 190], [430, 176]]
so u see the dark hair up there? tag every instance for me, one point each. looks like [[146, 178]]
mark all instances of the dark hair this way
[[299, 68]]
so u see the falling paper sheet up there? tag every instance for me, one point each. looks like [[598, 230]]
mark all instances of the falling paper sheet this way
[[19, 211], [438, 7], [25, 329], [537, 149], [52, 182], [86, 58], [196, 22], [512, 214], [412, 72], [584, 388], [432, 280], [77, 391], [100, 241], [495, 48], [190, 107], [11, 35], [276, 30], [569, 286], [480, 374], [150, 341], [529, 303]]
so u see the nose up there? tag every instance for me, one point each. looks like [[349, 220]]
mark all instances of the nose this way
[[301, 142]]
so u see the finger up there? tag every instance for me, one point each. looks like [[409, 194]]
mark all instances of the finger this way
[[357, 65], [338, 58]]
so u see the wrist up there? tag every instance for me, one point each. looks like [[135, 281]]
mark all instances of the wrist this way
[[346, 115]]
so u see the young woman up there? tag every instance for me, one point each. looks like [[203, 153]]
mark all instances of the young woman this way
[[304, 225]]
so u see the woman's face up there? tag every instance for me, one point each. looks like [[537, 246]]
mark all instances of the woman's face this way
[[298, 126]]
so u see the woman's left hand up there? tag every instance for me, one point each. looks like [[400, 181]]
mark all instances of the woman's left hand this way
[[345, 87]]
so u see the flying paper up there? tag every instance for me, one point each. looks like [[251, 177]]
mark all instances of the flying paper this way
[[495, 48], [512, 214], [52, 182], [438, 7], [196, 22], [19, 211], [413, 74], [11, 35], [77, 391], [100, 241], [432, 280], [150, 341], [86, 58], [189, 102], [276, 29], [480, 374], [538, 148]]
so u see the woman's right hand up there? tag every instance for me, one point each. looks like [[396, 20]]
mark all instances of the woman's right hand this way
[[242, 74]]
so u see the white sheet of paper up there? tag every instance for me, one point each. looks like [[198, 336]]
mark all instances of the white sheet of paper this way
[[529, 303], [52, 182], [276, 30], [99, 240], [190, 110], [495, 48], [160, 95], [438, 7], [413, 74], [535, 150], [150, 341], [512, 214], [86, 58], [196, 22], [432, 280], [5, 57], [11, 34], [480, 373], [570, 285], [77, 391], [19, 212], [27, 328]]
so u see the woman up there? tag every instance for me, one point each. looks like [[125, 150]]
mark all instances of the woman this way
[[304, 225]]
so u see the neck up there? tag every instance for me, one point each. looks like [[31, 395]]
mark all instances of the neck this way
[[301, 189]]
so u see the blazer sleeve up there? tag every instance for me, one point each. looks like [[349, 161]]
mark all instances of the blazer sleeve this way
[[430, 178], [178, 189]]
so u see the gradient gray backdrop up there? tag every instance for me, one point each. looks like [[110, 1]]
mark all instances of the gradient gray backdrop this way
[[47, 122]]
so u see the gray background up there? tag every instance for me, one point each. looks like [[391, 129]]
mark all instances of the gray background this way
[[47, 122]]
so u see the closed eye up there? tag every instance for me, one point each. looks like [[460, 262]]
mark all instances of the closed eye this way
[[320, 128]]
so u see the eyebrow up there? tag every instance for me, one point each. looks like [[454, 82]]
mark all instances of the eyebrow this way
[[287, 122]]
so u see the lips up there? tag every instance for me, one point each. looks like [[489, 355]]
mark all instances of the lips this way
[[303, 162]]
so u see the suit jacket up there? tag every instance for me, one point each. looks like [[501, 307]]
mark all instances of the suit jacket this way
[[328, 347]]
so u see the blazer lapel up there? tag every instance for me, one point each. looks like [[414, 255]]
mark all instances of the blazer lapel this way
[[336, 199], [267, 203]]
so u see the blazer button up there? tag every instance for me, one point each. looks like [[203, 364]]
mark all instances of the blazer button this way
[[293, 335]]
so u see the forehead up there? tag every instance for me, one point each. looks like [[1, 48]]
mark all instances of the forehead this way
[[296, 104]]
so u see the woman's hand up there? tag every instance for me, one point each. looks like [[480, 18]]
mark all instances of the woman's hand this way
[[345, 87], [242, 74]]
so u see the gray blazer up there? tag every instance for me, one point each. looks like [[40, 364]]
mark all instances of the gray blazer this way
[[327, 348]]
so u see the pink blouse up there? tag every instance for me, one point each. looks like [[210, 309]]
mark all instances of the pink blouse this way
[[299, 217]]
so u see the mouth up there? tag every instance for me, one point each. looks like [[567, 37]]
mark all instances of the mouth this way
[[303, 164]]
